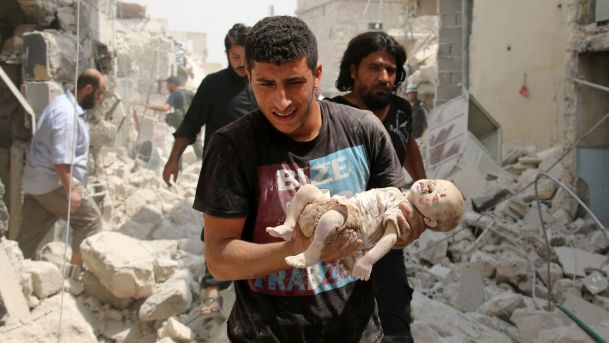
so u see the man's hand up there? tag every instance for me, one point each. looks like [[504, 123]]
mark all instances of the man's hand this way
[[75, 198], [411, 223], [171, 169]]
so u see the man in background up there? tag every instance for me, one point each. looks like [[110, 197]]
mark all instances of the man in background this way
[[419, 111], [55, 175], [221, 98], [371, 70]]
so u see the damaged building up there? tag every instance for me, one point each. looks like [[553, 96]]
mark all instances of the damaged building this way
[[513, 98]]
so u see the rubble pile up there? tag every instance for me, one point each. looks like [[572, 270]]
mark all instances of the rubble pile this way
[[496, 272]]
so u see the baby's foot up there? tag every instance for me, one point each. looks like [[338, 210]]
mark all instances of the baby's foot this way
[[301, 260], [282, 231], [362, 269]]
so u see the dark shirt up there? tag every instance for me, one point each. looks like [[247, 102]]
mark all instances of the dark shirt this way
[[252, 170], [398, 123], [221, 98], [419, 119], [176, 100]]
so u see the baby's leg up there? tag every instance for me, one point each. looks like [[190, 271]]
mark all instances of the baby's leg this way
[[304, 196], [363, 264], [328, 222]]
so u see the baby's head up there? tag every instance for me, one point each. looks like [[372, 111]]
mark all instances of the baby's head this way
[[439, 201]]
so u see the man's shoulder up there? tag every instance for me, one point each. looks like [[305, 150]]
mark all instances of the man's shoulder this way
[[218, 75], [242, 127], [398, 100]]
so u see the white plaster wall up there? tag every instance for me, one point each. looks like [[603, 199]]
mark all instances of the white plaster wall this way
[[536, 31]]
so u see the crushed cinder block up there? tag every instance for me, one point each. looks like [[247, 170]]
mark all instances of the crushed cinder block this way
[[512, 270], [471, 291], [555, 273], [121, 263], [564, 201], [513, 208], [483, 262], [75, 287], [531, 323], [435, 246], [503, 305], [439, 271], [46, 277], [57, 253], [94, 288], [175, 330], [50, 56], [545, 190], [576, 261], [490, 195], [39, 11], [170, 298], [163, 269], [137, 230], [448, 323], [564, 287], [595, 283]]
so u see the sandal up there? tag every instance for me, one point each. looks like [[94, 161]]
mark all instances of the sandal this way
[[212, 307]]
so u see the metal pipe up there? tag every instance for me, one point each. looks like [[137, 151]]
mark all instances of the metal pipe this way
[[596, 337], [543, 225], [592, 85], [19, 97]]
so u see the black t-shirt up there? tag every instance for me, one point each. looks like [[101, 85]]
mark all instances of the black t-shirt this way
[[398, 122], [252, 170], [221, 98]]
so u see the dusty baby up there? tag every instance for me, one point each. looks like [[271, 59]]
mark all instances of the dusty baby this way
[[371, 214]]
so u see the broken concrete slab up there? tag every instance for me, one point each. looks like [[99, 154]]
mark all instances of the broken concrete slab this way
[[572, 334], [512, 270], [595, 283], [490, 195], [483, 262], [39, 11], [11, 294], [448, 323], [564, 287], [531, 323], [122, 264], [471, 291], [576, 261], [555, 273], [57, 253], [545, 190], [50, 56], [512, 208], [585, 311], [170, 298], [502, 305], [42, 325], [46, 277], [94, 288], [175, 330]]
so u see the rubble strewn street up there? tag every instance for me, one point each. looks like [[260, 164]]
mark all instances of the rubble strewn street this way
[[525, 245]]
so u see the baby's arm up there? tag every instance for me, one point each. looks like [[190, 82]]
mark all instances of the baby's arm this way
[[363, 265], [304, 196]]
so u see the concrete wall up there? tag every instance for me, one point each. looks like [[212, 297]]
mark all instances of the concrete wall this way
[[507, 41], [195, 41], [335, 22]]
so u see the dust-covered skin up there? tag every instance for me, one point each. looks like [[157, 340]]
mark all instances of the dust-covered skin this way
[[373, 215]]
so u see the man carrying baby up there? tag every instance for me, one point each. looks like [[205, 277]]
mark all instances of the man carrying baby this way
[[255, 165]]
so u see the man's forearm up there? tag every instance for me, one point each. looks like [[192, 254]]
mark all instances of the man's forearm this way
[[63, 173], [179, 145], [160, 108], [235, 259]]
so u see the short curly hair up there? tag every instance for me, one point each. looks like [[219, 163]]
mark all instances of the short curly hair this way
[[236, 36], [280, 39], [363, 45]]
